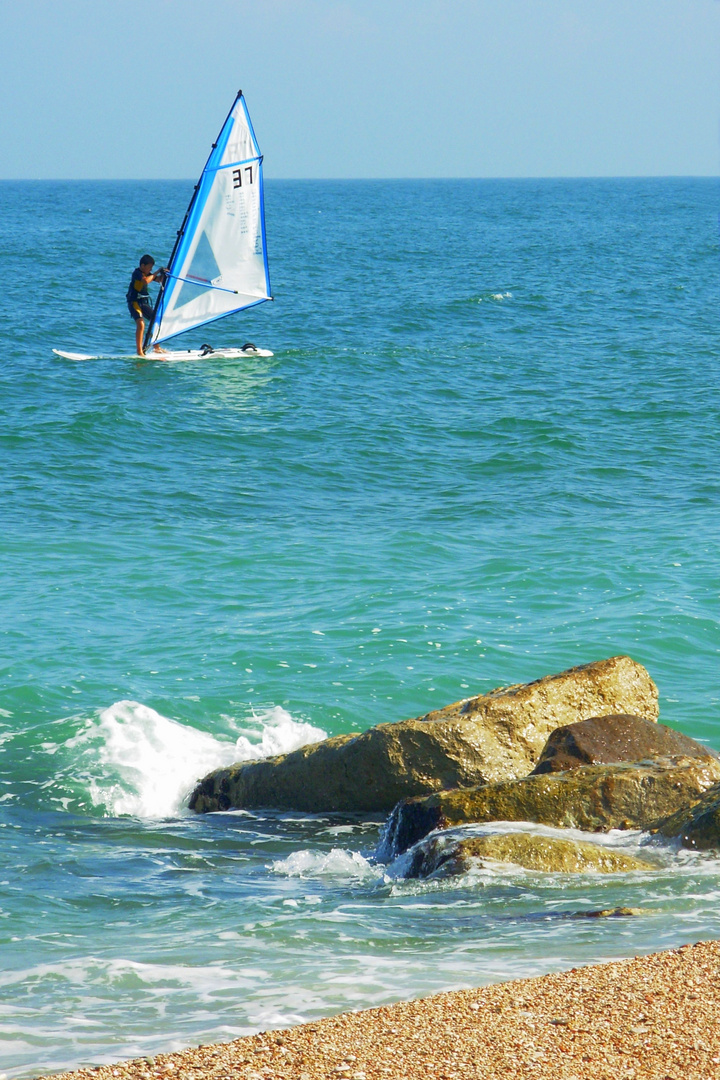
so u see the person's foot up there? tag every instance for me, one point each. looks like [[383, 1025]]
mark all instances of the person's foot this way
[[157, 349]]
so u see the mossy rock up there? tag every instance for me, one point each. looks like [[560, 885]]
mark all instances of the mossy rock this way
[[548, 854], [696, 826]]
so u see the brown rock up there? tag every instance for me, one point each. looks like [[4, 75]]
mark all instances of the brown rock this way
[[549, 854], [606, 740], [495, 736], [594, 798]]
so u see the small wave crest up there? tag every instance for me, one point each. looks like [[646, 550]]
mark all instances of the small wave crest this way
[[495, 296], [335, 863], [137, 762]]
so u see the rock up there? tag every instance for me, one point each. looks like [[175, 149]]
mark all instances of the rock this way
[[697, 826], [610, 913], [492, 737], [549, 854], [606, 740], [594, 798]]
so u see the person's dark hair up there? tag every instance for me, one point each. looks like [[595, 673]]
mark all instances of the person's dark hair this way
[[147, 259]]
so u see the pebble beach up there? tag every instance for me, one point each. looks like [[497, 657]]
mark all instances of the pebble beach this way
[[647, 1018]]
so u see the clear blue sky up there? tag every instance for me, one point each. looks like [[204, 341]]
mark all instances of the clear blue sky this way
[[362, 88]]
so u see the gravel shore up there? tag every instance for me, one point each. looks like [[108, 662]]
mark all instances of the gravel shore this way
[[655, 1016]]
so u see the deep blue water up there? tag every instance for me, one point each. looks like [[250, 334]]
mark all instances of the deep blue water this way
[[486, 449]]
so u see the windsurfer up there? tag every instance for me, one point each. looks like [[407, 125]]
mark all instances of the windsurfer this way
[[138, 299]]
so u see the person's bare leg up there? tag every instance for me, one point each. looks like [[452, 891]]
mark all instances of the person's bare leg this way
[[139, 335]]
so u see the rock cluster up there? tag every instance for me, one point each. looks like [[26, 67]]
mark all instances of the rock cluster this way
[[581, 750], [492, 737]]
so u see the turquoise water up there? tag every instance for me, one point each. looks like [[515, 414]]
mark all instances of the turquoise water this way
[[485, 450]]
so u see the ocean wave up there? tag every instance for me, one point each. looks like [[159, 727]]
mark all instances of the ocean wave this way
[[137, 762]]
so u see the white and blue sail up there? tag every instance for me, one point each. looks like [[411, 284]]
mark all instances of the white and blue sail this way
[[219, 263]]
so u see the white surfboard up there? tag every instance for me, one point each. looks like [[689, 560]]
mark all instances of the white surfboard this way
[[171, 355]]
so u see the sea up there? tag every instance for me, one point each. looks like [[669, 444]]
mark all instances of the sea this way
[[486, 449]]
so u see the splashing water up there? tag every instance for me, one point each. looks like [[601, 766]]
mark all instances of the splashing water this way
[[151, 763], [338, 863]]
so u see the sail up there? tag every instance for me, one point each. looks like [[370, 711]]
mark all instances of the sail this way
[[219, 263]]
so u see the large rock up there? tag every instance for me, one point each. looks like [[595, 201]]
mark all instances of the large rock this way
[[606, 740], [492, 737], [594, 798], [697, 826], [550, 854]]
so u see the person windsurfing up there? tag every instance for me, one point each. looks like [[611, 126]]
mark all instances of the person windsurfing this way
[[138, 299]]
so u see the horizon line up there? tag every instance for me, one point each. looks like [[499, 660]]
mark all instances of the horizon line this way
[[353, 179]]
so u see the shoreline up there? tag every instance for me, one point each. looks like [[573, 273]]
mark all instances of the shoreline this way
[[654, 1016]]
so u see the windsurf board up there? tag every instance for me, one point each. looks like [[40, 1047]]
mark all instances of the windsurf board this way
[[171, 355]]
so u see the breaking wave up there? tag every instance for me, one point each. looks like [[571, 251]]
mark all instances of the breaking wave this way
[[135, 761]]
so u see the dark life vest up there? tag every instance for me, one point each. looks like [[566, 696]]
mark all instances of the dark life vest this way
[[141, 294]]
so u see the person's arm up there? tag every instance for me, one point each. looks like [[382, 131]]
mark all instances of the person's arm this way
[[145, 279]]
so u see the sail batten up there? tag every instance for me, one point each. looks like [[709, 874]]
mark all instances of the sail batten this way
[[219, 263], [234, 164]]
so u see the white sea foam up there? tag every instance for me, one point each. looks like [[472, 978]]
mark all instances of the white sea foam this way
[[616, 838], [132, 977], [335, 863], [279, 734], [148, 764]]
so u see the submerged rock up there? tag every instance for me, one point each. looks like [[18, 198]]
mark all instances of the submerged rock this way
[[593, 798], [495, 736], [697, 826], [605, 740], [610, 913], [549, 854]]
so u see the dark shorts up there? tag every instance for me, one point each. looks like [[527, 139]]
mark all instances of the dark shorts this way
[[140, 309]]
